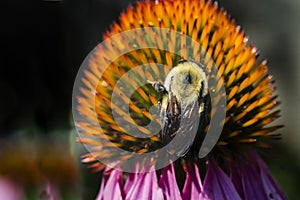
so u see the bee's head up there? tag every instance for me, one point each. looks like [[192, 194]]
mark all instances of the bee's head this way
[[187, 81]]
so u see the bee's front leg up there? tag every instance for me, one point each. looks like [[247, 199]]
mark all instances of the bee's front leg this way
[[158, 86]]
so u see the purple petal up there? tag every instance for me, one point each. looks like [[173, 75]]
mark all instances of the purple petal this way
[[217, 185], [247, 181], [253, 180], [143, 186], [192, 186], [111, 185], [168, 183], [271, 188]]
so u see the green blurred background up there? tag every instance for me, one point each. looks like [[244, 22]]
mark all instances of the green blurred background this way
[[44, 42]]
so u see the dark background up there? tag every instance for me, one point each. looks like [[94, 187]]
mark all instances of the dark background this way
[[44, 42]]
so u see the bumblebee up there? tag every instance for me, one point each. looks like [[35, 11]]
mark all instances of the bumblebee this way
[[183, 106]]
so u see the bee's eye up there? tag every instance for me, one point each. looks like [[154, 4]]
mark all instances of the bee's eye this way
[[187, 79], [159, 87]]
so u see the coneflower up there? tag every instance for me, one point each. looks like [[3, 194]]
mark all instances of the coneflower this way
[[37, 171], [117, 121]]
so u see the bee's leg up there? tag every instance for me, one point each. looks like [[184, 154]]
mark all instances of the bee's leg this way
[[158, 86], [159, 106]]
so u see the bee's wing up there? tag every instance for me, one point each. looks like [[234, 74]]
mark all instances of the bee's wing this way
[[179, 126]]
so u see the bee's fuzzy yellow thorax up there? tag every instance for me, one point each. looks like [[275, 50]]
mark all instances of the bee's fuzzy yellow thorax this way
[[186, 81]]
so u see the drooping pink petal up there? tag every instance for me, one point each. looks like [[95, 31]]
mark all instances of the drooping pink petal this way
[[217, 185], [111, 185], [168, 184], [131, 179], [192, 186], [143, 186], [253, 180], [51, 191], [10, 189]]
